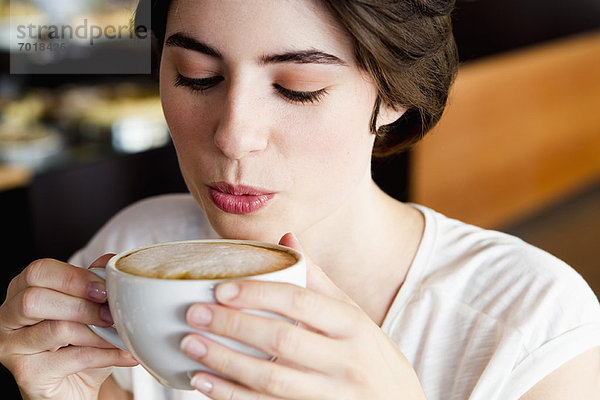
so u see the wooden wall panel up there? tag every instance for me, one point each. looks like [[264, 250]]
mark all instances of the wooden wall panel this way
[[521, 131]]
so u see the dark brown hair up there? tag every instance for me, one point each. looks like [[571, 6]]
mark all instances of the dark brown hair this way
[[406, 46]]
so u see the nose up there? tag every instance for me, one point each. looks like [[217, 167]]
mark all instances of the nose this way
[[241, 129]]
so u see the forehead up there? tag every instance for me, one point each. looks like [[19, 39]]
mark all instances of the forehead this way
[[257, 27]]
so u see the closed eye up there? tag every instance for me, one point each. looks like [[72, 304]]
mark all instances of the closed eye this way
[[197, 84], [300, 97], [295, 96]]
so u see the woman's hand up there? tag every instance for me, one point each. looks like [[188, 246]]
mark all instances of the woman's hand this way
[[336, 352], [44, 340]]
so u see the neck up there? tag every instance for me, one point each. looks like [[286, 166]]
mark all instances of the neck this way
[[367, 247]]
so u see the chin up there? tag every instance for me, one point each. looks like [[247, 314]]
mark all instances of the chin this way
[[247, 228]]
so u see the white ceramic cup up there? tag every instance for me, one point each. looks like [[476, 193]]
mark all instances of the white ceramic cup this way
[[149, 314]]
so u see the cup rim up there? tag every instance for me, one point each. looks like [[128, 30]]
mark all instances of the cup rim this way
[[112, 263]]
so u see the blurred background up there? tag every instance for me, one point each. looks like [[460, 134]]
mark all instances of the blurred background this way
[[518, 149]]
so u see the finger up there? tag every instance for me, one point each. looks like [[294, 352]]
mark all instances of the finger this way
[[73, 359], [221, 389], [257, 374], [62, 277], [35, 304], [273, 337], [51, 336], [316, 279], [333, 317]]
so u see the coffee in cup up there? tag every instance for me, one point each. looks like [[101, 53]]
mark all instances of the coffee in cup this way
[[150, 289], [204, 260]]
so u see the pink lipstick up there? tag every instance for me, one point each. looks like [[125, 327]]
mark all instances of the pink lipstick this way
[[238, 199]]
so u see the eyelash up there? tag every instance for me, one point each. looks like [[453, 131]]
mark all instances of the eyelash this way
[[300, 97], [197, 84], [294, 96]]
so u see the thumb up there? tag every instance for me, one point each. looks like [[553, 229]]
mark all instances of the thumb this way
[[101, 261], [316, 278]]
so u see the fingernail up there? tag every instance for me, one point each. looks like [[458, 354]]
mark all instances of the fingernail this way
[[227, 291], [97, 291], [105, 313], [193, 347], [201, 383], [200, 315]]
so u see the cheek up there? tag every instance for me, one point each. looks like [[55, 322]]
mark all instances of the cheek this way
[[332, 145], [187, 123], [189, 138], [182, 113]]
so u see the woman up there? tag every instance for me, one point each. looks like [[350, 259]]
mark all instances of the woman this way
[[275, 108]]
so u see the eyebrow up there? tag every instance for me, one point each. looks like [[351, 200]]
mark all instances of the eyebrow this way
[[303, 57], [186, 42], [311, 56]]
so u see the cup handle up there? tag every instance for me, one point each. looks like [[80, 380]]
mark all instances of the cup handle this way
[[109, 334]]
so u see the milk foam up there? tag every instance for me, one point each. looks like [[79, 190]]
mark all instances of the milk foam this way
[[204, 261]]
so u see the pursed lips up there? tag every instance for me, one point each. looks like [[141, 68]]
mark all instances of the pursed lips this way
[[238, 199]]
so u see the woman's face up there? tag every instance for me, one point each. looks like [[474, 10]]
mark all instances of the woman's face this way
[[269, 114]]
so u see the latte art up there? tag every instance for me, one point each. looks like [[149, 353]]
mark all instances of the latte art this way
[[210, 260]]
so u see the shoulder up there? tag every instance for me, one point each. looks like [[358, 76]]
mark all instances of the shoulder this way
[[518, 309], [158, 210], [483, 314], [504, 277], [156, 219]]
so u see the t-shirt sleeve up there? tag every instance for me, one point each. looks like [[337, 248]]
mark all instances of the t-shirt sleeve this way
[[565, 324], [483, 315]]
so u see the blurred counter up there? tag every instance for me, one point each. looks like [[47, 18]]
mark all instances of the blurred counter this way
[[70, 158], [38, 125], [54, 212]]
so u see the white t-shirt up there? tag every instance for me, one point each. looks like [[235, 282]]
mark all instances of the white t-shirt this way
[[482, 315]]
